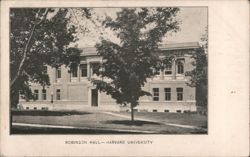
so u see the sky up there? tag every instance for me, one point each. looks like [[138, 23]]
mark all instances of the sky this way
[[192, 26], [194, 23]]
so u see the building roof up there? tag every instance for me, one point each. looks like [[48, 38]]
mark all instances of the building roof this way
[[177, 46], [89, 51]]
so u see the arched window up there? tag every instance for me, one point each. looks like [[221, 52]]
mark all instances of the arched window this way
[[168, 69], [180, 68]]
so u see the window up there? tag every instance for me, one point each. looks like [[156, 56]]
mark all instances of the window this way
[[45, 69], [167, 93], [179, 93], [44, 94], [58, 94], [168, 70], [44, 108], [157, 72], [36, 93], [95, 68], [180, 68], [83, 68], [74, 71], [58, 73], [155, 94]]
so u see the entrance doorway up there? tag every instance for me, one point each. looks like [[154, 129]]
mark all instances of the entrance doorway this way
[[94, 97]]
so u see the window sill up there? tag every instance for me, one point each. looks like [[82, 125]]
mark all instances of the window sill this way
[[164, 101]]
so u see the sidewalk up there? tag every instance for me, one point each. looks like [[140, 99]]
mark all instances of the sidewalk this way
[[82, 128]]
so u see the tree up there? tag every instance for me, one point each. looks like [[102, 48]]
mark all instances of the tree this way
[[39, 37], [129, 63], [199, 74]]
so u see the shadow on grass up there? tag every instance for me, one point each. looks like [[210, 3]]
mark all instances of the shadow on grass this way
[[199, 132], [204, 126], [47, 113], [131, 123]]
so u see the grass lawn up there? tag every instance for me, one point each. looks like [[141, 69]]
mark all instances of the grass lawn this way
[[177, 118], [96, 121]]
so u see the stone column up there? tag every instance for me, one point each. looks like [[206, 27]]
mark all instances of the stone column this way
[[69, 75], [174, 71], [68, 80], [162, 75], [51, 73], [88, 71], [78, 72], [55, 74]]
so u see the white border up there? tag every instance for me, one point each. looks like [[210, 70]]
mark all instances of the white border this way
[[228, 92]]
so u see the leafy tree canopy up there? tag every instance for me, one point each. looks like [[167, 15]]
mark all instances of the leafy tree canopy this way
[[39, 37], [130, 62], [199, 74]]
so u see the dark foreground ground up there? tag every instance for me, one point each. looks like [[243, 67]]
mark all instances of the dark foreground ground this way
[[41, 130], [103, 123]]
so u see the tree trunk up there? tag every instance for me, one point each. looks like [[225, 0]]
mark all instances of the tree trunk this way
[[14, 99], [132, 112]]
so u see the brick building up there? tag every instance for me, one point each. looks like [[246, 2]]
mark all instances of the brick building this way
[[73, 90]]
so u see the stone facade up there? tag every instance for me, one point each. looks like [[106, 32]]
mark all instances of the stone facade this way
[[74, 91]]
